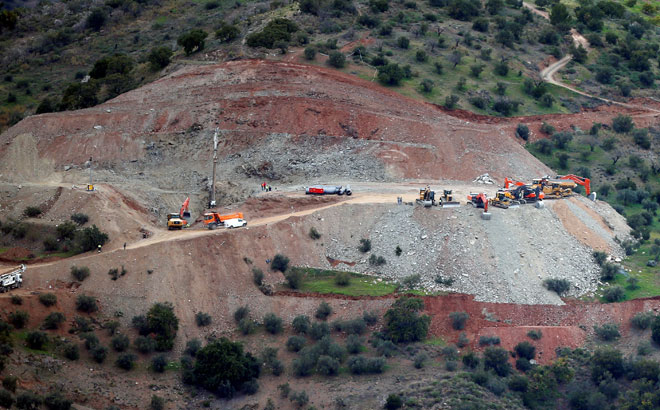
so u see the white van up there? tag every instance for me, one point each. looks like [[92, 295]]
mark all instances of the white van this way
[[235, 223]]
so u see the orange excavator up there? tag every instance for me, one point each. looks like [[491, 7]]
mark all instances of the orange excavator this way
[[478, 200], [585, 182], [552, 188], [180, 220]]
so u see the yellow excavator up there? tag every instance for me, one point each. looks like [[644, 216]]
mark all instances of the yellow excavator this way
[[180, 220]]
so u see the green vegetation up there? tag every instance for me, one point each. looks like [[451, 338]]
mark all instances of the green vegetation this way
[[324, 281]]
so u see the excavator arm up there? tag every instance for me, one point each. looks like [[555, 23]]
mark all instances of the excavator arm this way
[[508, 182], [585, 182], [184, 208]]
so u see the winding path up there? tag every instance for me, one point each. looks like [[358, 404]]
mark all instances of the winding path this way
[[548, 73]]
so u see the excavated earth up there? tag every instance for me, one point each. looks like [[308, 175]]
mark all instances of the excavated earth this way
[[291, 125]]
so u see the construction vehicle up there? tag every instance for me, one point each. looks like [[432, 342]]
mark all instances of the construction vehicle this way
[[180, 220], [504, 199], [426, 197], [11, 278], [235, 223], [447, 199], [328, 190], [559, 187], [585, 182], [478, 200], [212, 220]]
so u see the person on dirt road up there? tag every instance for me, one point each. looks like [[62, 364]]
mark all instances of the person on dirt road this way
[[99, 248], [124, 245]]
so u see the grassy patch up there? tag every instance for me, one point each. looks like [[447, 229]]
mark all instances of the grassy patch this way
[[435, 341], [323, 281]]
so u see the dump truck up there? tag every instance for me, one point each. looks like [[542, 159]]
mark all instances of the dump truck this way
[[212, 220], [11, 278], [328, 190]]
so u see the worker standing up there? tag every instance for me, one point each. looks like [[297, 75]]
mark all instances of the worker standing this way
[[124, 245], [99, 248]]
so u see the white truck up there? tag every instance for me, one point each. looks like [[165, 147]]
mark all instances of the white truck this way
[[11, 278]]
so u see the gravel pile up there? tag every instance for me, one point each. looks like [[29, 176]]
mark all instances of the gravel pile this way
[[505, 259]]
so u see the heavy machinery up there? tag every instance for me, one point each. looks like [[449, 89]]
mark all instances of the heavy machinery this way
[[504, 199], [426, 197], [478, 200], [213, 219], [180, 220], [562, 185], [328, 190], [585, 182], [447, 199], [11, 278]]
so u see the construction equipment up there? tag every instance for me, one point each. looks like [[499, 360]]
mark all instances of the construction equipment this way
[[504, 199], [212, 220], [180, 220], [426, 197], [11, 278], [528, 193], [447, 199], [328, 190], [480, 200], [585, 182]]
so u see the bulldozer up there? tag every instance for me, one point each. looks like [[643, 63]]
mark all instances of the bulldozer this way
[[426, 197], [447, 199], [504, 199]]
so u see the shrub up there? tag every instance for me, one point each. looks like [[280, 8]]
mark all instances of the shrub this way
[[370, 318], [606, 360], [89, 238], [120, 343], [112, 327], [159, 58], [294, 278], [280, 263], [55, 401], [560, 286], [36, 340], [480, 377], [18, 318], [535, 334], [613, 294], [497, 359], [86, 304], [525, 350], [323, 311], [257, 276], [28, 400], [71, 351], [642, 320], [96, 19], [192, 40], [202, 319], [644, 348], [342, 279], [126, 361], [162, 321], [420, 360], [353, 344], [641, 138], [470, 360], [489, 340], [247, 326], [80, 273], [146, 344], [91, 341], [319, 330], [310, 53], [300, 398], [273, 323], [411, 281], [32, 211], [376, 260], [600, 257], [363, 365], [522, 131], [496, 386], [393, 402], [222, 367], [608, 271], [301, 324], [451, 101], [314, 234], [159, 363], [523, 364], [241, 313], [295, 343], [518, 383], [53, 320], [427, 85], [622, 123], [458, 320], [607, 332], [16, 300], [403, 322], [79, 218], [365, 245], [192, 347], [462, 340], [6, 399], [10, 383], [337, 59], [327, 366], [99, 353], [48, 299], [355, 326]]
